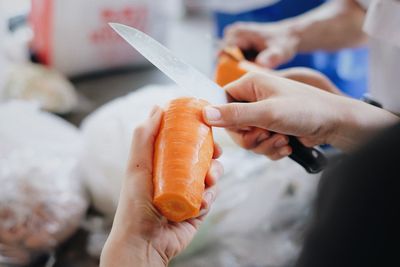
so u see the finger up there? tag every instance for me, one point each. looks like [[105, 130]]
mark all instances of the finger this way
[[253, 138], [271, 57], [249, 139], [310, 77], [253, 86], [214, 173], [208, 199], [138, 182], [238, 35], [243, 89], [275, 147], [236, 115], [141, 154], [217, 151], [209, 196], [272, 144]]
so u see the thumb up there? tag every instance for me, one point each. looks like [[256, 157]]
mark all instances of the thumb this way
[[234, 115], [140, 163], [271, 57]]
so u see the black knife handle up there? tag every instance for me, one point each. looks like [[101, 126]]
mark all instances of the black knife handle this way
[[310, 159]]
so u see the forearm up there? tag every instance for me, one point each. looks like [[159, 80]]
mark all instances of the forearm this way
[[334, 25]]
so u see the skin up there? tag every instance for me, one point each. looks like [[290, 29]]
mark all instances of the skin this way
[[339, 22], [140, 236], [288, 107], [311, 77], [277, 145]]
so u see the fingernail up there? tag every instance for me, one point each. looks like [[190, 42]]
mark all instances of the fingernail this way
[[281, 142], [208, 197], [212, 114], [286, 151], [262, 137]]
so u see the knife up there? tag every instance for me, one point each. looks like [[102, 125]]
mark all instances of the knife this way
[[197, 84]]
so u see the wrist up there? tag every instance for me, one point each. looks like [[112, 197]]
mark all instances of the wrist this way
[[358, 122], [134, 252]]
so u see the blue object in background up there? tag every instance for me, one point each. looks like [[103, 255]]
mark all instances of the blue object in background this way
[[346, 68]]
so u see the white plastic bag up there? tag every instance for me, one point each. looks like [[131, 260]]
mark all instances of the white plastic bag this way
[[74, 36], [258, 218], [35, 82], [41, 196]]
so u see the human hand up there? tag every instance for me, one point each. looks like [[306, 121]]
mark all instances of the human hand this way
[[311, 77], [287, 107], [140, 235], [276, 145], [276, 43]]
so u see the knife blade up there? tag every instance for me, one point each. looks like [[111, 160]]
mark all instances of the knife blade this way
[[184, 75], [199, 85]]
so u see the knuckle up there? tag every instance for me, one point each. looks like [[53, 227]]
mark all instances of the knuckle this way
[[235, 112], [275, 55], [272, 117], [252, 76]]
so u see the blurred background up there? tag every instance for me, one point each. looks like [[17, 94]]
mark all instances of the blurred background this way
[[71, 91]]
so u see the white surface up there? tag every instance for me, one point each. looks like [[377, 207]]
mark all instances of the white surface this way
[[2, 36], [189, 39], [383, 26]]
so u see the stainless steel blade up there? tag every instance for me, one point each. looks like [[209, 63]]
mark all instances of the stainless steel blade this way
[[187, 77]]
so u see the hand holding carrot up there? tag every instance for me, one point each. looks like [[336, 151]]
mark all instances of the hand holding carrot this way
[[140, 235]]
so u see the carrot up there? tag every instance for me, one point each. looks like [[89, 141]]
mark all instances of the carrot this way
[[232, 65], [183, 151]]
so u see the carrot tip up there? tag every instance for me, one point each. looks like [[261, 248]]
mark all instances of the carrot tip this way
[[175, 207]]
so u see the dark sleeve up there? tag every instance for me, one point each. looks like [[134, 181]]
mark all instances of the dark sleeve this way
[[357, 207]]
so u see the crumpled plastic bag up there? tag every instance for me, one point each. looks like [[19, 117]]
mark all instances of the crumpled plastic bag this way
[[42, 200], [262, 206], [34, 82], [258, 219]]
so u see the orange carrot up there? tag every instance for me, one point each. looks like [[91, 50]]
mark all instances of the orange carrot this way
[[183, 151], [232, 65]]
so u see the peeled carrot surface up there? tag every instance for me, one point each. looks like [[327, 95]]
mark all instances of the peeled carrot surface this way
[[232, 65], [183, 151]]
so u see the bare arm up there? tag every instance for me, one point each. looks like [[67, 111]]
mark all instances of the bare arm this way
[[334, 25]]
